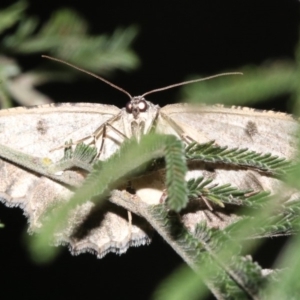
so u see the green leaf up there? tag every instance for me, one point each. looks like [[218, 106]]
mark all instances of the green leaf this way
[[65, 23], [11, 15], [262, 162], [131, 159], [66, 36], [181, 284], [257, 84], [175, 179], [82, 157]]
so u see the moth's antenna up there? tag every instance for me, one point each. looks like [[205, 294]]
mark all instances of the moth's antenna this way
[[90, 73], [189, 82]]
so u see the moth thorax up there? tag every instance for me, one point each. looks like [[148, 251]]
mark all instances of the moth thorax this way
[[137, 128], [136, 105]]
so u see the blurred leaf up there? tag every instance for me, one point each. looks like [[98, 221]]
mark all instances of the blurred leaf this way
[[65, 36], [257, 84], [181, 284], [11, 15], [65, 22]]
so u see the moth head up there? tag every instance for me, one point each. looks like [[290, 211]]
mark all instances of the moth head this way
[[136, 105]]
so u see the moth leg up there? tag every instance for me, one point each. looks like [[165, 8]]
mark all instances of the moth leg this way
[[93, 137], [117, 131], [104, 136], [102, 141], [206, 203], [129, 224], [84, 154], [130, 191]]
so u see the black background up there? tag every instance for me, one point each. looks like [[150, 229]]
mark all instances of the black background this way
[[177, 39]]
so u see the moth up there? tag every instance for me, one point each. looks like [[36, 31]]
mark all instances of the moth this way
[[41, 132]]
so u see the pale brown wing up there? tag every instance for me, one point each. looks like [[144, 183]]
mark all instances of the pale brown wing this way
[[90, 229], [236, 127], [39, 129], [261, 131], [36, 130]]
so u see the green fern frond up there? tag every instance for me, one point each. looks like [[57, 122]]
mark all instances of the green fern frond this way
[[131, 159], [181, 284], [287, 285], [171, 229], [215, 239], [175, 176], [240, 275], [284, 219], [11, 15], [261, 82], [284, 222], [250, 273], [65, 22], [191, 250], [237, 275], [81, 157], [198, 188], [224, 194], [115, 51], [202, 233], [66, 36], [84, 153], [266, 163], [204, 251]]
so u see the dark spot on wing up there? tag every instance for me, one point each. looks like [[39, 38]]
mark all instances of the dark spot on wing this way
[[251, 129], [209, 172], [42, 127]]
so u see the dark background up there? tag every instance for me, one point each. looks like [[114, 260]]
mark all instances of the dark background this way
[[177, 39]]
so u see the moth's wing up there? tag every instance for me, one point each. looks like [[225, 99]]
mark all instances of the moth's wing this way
[[114, 235], [90, 229], [261, 131], [39, 129], [236, 127]]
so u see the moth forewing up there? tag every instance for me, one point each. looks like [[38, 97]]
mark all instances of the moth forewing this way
[[166, 125], [89, 229], [37, 130], [275, 133]]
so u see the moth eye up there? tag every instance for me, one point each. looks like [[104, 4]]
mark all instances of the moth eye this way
[[143, 105], [129, 107]]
